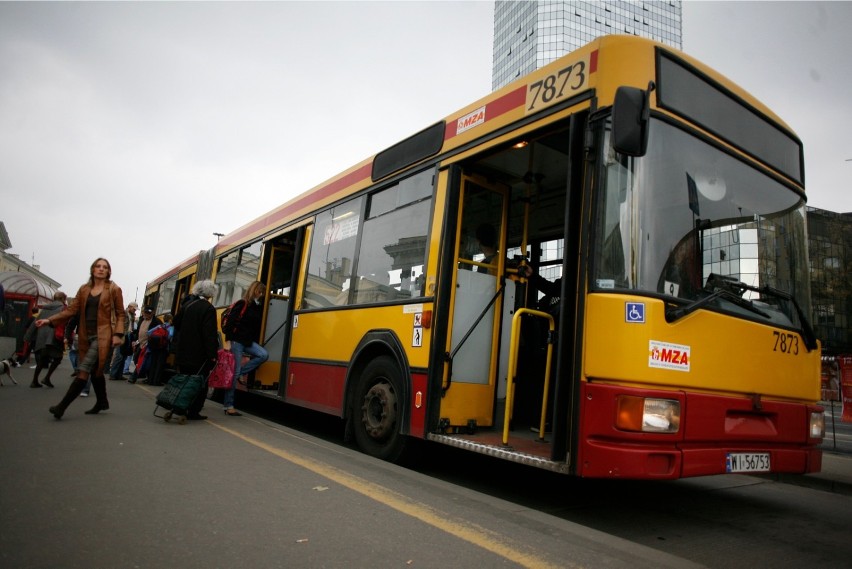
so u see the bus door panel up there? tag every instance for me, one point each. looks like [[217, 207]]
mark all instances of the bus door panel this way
[[474, 291], [274, 337], [183, 288], [281, 265], [478, 303]]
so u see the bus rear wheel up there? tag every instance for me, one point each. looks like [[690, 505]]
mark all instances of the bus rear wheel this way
[[377, 408]]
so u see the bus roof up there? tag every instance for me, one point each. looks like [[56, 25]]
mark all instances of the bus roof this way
[[633, 57]]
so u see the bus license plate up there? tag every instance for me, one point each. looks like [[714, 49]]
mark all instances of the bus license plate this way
[[747, 462]]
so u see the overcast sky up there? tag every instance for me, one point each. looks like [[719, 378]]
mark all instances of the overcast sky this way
[[134, 131]]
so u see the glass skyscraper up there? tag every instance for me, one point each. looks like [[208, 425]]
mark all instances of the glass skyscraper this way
[[531, 34], [830, 256]]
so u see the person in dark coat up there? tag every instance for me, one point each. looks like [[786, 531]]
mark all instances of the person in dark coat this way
[[141, 354], [48, 347], [196, 339], [28, 338], [157, 354], [247, 315]]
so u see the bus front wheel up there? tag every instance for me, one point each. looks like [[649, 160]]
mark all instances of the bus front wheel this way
[[376, 410]]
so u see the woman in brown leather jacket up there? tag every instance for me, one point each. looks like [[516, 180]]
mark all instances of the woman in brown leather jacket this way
[[100, 308]]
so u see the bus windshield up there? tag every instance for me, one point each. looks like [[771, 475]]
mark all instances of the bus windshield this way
[[686, 210]]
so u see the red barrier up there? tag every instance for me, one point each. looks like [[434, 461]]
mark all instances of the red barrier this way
[[830, 380], [846, 387]]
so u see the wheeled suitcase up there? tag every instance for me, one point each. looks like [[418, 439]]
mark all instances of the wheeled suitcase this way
[[178, 394]]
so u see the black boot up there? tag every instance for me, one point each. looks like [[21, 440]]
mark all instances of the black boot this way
[[53, 365], [35, 382], [102, 404], [73, 392]]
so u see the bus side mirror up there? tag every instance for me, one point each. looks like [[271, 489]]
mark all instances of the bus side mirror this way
[[631, 112]]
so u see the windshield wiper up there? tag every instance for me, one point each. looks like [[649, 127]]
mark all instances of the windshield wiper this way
[[674, 314], [807, 332], [808, 335], [720, 286]]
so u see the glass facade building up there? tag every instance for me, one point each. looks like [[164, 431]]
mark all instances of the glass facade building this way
[[531, 34], [830, 258]]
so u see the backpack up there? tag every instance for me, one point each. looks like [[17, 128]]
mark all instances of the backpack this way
[[229, 320], [158, 338]]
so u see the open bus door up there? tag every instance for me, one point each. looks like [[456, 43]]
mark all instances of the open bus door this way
[[481, 304], [281, 265], [511, 351], [182, 288]]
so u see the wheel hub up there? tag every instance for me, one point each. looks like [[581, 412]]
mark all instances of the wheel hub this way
[[379, 411]]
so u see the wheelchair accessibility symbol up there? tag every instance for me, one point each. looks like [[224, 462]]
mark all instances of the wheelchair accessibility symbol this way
[[634, 312]]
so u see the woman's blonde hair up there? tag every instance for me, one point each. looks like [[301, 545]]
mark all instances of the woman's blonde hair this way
[[253, 290]]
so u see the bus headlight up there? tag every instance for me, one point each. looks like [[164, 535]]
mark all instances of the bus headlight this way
[[817, 426], [647, 415]]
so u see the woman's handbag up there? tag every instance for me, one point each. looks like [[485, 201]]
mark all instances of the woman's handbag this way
[[223, 374]]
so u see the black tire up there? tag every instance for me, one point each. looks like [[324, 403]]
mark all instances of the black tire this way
[[377, 407]]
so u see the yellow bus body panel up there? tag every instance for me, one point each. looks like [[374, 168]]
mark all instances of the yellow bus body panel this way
[[268, 374], [334, 335], [725, 354], [465, 402]]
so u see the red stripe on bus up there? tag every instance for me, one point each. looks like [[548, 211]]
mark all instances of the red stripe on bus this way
[[498, 107], [494, 109], [321, 193], [174, 270]]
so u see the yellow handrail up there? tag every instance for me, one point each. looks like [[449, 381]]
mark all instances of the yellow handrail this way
[[514, 342]]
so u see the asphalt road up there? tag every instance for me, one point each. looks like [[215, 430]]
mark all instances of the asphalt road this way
[[126, 489]]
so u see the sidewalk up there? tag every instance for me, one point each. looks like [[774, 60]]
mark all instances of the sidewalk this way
[[125, 489], [835, 476]]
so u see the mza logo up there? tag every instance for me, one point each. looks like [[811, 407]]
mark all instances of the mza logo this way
[[471, 120], [668, 356]]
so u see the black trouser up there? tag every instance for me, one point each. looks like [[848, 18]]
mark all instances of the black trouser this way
[[157, 367], [44, 359]]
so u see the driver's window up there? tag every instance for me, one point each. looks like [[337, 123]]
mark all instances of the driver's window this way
[[612, 269], [479, 246]]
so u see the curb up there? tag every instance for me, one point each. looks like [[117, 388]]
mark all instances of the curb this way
[[814, 481]]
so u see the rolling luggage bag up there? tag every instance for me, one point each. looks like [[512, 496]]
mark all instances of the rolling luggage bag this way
[[178, 394]]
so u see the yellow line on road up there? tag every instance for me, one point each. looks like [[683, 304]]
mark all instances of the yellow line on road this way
[[481, 537]]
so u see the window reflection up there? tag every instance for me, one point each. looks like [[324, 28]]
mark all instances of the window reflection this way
[[685, 210], [237, 270], [166, 295], [332, 253], [391, 258]]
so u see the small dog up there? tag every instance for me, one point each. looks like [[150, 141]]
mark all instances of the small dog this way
[[6, 369]]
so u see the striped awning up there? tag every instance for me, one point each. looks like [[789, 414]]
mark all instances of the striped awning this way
[[21, 283]]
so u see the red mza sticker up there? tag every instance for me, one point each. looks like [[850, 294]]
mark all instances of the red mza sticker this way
[[668, 356]]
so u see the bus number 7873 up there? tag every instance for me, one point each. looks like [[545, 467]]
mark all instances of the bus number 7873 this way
[[555, 87], [786, 343]]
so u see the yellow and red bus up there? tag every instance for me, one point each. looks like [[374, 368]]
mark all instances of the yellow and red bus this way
[[664, 205]]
